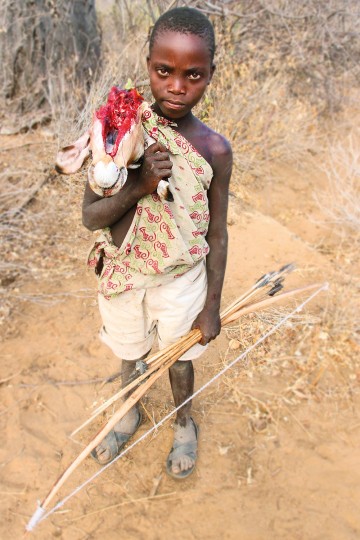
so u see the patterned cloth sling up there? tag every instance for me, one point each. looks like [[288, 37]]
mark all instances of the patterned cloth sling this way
[[165, 239]]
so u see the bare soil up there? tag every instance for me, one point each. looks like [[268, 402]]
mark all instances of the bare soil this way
[[279, 433]]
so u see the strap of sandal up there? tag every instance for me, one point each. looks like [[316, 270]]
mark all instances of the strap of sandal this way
[[184, 449]]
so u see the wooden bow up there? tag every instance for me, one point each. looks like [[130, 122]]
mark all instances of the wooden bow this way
[[259, 296]]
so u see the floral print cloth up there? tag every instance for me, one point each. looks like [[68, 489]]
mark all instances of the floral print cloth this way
[[165, 239]]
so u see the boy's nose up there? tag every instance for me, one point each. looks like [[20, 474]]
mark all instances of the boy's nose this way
[[177, 87]]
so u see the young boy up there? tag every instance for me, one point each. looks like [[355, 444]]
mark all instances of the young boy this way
[[162, 264]]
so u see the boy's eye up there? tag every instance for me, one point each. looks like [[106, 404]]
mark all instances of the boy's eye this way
[[162, 71], [194, 76]]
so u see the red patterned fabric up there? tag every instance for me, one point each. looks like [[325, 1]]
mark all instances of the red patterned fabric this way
[[165, 239]]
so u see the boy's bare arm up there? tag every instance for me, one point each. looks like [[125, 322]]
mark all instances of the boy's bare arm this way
[[208, 320], [99, 212]]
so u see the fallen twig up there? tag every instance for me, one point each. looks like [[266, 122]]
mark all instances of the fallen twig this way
[[7, 379], [166, 496], [17, 146], [54, 382], [32, 194]]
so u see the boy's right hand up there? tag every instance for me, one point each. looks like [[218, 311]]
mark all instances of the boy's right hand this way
[[156, 166]]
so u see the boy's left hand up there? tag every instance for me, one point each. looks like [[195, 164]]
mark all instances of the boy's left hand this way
[[208, 322]]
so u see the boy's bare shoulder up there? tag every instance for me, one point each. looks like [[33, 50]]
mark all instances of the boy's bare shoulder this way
[[215, 146]]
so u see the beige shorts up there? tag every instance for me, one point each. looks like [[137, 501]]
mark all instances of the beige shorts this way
[[133, 319]]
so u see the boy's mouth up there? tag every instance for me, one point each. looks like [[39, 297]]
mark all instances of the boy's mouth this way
[[175, 105]]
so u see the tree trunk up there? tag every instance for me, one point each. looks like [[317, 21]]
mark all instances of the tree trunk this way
[[48, 50]]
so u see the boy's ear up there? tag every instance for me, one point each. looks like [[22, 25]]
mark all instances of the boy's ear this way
[[212, 71], [148, 62]]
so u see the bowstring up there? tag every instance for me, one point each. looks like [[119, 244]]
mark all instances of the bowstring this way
[[61, 503]]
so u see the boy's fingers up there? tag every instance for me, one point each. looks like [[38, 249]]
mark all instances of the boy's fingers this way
[[156, 147], [161, 156], [164, 164], [164, 173]]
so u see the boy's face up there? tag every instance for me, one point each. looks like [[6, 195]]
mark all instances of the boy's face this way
[[180, 68]]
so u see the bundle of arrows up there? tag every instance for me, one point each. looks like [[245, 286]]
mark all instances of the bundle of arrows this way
[[261, 295]]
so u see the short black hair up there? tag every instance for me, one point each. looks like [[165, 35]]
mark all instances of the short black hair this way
[[185, 20]]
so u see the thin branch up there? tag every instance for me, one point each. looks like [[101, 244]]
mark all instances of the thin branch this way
[[24, 145]]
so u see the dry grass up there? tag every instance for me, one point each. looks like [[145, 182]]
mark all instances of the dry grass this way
[[36, 235], [340, 202], [311, 359], [48, 53]]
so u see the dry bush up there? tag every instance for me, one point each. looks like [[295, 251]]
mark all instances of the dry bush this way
[[123, 60], [340, 202], [310, 358], [281, 67], [258, 117], [38, 230]]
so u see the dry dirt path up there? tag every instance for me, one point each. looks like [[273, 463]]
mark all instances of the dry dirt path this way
[[279, 440]]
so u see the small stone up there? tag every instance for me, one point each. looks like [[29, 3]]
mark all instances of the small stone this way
[[259, 424], [234, 344], [223, 450]]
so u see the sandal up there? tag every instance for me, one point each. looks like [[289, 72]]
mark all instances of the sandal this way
[[114, 442], [189, 449]]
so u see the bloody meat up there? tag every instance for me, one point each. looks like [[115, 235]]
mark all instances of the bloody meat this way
[[117, 116]]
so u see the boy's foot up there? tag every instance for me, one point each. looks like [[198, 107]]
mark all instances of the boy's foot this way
[[182, 458], [114, 441]]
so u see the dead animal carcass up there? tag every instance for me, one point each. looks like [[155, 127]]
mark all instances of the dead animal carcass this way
[[116, 140]]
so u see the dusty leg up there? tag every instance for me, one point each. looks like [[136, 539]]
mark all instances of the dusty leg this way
[[182, 385], [129, 423]]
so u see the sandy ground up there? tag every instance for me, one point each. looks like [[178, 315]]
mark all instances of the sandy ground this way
[[279, 434]]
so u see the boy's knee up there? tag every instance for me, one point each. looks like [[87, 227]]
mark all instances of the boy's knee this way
[[137, 359], [181, 366]]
